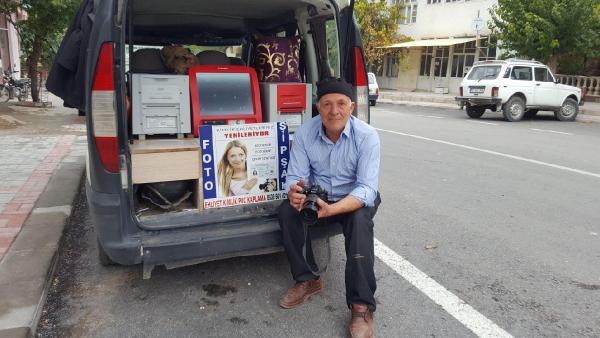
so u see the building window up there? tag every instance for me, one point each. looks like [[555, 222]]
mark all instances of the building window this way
[[392, 66], [409, 11], [434, 1], [441, 61], [426, 57], [487, 49], [463, 59]]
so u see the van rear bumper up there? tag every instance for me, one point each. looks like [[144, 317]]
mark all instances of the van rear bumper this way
[[174, 247]]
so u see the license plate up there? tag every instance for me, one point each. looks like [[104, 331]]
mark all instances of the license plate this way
[[476, 90]]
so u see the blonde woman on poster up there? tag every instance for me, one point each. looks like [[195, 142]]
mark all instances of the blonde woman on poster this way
[[232, 171]]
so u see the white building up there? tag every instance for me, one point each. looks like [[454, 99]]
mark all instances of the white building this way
[[447, 35], [10, 46]]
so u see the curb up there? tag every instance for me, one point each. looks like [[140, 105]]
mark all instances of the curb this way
[[581, 117], [27, 267]]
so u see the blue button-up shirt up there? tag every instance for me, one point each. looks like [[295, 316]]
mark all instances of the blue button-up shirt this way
[[348, 167]]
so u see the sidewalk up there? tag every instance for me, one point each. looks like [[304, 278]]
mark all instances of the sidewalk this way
[[42, 161], [590, 111]]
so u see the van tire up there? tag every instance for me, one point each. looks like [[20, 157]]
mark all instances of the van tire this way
[[568, 111], [514, 109], [372, 103], [475, 112], [102, 256]]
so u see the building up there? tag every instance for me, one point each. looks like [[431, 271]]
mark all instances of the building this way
[[448, 37], [10, 46]]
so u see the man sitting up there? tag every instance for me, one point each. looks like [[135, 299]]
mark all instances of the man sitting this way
[[340, 153]]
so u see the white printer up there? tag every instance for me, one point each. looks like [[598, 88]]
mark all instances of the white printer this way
[[160, 102]]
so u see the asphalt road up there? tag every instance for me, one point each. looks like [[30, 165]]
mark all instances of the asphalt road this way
[[502, 216]]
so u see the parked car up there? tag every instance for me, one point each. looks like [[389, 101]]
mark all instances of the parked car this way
[[373, 89], [519, 88], [91, 73]]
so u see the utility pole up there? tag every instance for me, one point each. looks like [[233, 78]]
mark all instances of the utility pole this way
[[477, 26]]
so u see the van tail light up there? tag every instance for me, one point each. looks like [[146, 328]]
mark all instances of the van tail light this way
[[495, 91], [104, 115], [460, 89], [362, 85]]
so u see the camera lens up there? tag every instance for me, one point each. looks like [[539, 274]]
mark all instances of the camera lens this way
[[310, 209]]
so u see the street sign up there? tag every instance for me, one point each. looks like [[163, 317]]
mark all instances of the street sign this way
[[478, 24]]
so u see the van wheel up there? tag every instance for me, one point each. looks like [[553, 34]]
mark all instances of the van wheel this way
[[514, 109], [568, 111], [102, 256], [531, 113], [373, 103], [475, 112]]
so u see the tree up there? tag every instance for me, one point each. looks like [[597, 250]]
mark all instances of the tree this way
[[547, 29], [379, 27], [41, 33]]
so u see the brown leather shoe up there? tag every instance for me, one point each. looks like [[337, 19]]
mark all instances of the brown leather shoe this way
[[297, 294], [361, 325]]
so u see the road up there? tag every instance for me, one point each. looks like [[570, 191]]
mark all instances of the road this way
[[486, 228]]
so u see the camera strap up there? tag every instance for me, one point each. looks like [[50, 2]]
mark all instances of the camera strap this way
[[307, 238]]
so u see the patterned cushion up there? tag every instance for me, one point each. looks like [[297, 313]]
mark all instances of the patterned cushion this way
[[276, 59]]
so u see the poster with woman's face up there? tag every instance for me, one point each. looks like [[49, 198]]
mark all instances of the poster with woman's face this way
[[243, 163]]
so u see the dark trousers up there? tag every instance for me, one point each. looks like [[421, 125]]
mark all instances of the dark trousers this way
[[357, 227]]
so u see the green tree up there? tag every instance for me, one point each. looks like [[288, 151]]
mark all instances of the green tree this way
[[41, 33], [379, 27], [547, 29]]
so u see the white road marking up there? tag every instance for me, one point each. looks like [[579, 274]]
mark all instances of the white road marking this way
[[431, 116], [524, 159], [481, 122], [463, 312], [550, 131]]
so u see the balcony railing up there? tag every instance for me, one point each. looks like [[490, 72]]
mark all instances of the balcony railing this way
[[590, 85]]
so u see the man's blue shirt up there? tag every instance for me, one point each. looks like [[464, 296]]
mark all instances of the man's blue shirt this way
[[348, 167]]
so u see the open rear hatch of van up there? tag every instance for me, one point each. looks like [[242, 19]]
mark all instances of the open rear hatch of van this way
[[166, 167]]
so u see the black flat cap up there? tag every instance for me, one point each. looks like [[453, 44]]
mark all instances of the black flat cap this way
[[332, 85]]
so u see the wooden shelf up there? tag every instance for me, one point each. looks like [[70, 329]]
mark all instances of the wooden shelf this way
[[164, 145], [162, 160]]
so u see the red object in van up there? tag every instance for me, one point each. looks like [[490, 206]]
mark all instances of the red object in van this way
[[291, 98], [224, 95]]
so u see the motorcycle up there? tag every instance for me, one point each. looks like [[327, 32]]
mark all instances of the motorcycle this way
[[11, 87]]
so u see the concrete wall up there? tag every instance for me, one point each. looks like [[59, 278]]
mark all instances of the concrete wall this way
[[409, 70], [448, 19]]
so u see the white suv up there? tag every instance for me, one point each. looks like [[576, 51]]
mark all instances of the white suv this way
[[519, 88]]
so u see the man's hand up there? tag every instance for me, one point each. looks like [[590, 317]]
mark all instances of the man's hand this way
[[296, 196], [325, 210]]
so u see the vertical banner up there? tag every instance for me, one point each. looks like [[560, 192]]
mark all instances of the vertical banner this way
[[244, 163]]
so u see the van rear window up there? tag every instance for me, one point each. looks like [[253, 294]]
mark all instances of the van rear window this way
[[224, 94], [484, 72]]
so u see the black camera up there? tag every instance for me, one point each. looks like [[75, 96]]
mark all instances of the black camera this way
[[310, 208]]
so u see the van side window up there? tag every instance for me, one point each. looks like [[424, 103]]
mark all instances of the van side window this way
[[332, 47], [507, 73]]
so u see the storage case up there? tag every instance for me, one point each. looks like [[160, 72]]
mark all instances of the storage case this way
[[160, 104], [286, 102]]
